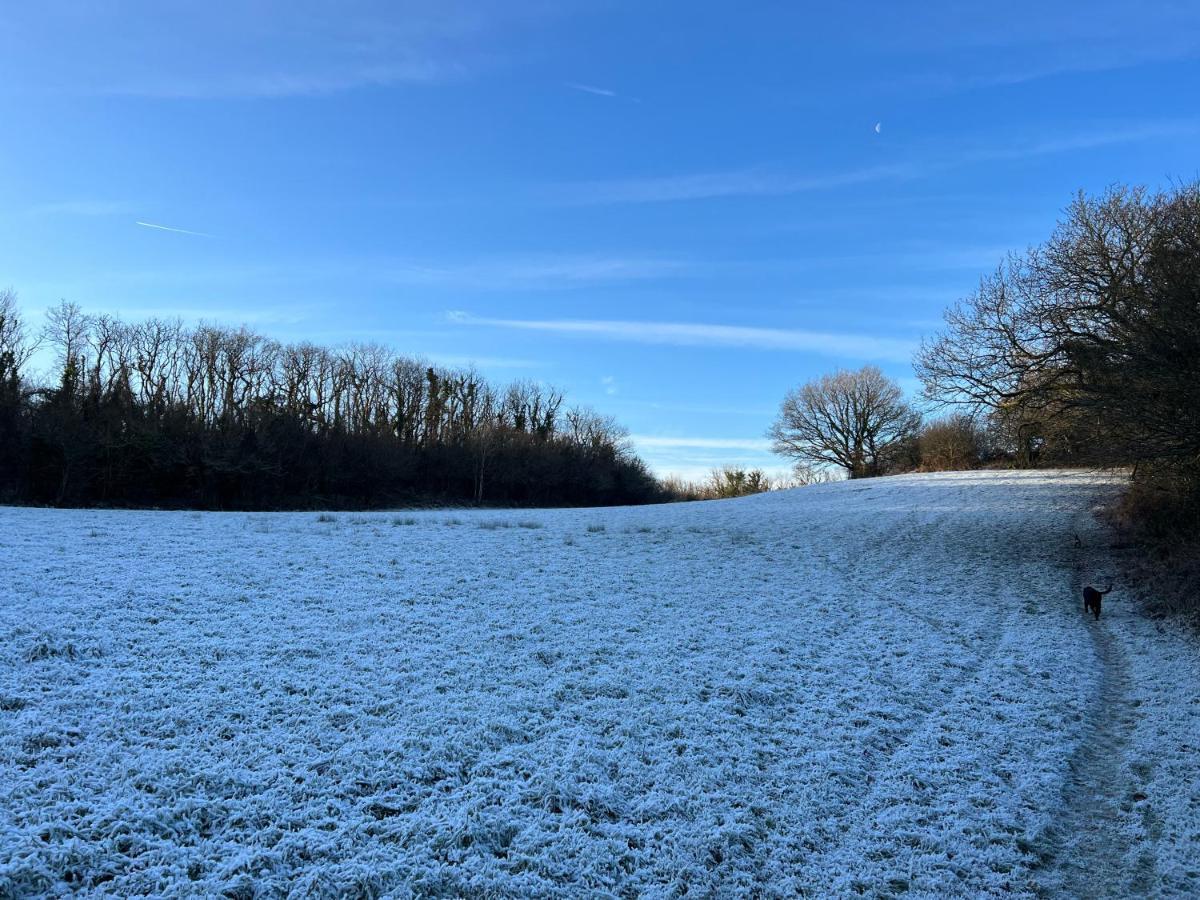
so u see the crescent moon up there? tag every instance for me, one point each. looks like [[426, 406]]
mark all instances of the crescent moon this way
[[878, 127]]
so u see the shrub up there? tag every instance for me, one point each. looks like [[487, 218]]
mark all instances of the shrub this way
[[1157, 521], [955, 442], [723, 483]]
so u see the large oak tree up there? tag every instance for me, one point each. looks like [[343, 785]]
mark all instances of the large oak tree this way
[[847, 419]]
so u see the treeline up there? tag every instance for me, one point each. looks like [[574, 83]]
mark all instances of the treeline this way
[[962, 441], [1086, 349], [860, 422], [156, 413]]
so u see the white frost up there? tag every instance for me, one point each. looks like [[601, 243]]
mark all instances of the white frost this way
[[882, 686]]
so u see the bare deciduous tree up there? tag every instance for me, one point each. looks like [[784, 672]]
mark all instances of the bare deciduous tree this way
[[67, 328], [223, 416], [847, 419], [1096, 332], [15, 345]]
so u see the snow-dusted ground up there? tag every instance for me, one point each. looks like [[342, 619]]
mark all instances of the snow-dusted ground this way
[[874, 687]]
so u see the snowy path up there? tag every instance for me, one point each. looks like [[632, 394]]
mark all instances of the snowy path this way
[[882, 688], [1094, 846], [1085, 842]]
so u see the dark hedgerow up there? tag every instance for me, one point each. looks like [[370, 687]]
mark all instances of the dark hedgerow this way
[[157, 414]]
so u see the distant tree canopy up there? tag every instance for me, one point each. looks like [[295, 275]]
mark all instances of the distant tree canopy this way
[[1088, 345], [723, 483], [848, 419], [156, 413]]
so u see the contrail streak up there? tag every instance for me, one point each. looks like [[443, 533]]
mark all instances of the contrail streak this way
[[590, 89], [176, 230]]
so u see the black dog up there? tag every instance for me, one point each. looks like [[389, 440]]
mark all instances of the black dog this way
[[1092, 599]]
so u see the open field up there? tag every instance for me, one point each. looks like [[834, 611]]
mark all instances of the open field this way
[[885, 686]]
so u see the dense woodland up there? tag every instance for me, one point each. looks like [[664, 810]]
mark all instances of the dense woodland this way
[[157, 413], [1088, 346]]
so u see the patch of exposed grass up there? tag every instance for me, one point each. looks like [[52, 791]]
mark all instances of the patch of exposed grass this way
[[48, 648]]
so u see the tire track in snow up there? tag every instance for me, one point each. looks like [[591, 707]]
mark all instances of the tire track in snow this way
[[867, 584], [1089, 844], [912, 774], [998, 624], [880, 790]]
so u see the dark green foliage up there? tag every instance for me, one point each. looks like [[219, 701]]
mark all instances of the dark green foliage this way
[[153, 414]]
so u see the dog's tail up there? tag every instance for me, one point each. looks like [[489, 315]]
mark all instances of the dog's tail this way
[[1107, 590]]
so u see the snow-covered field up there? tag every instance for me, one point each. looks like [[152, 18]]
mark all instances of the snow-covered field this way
[[884, 687]]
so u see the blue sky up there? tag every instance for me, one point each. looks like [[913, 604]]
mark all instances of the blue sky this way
[[674, 212]]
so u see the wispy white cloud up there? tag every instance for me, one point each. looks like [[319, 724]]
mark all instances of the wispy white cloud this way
[[993, 45], [850, 346], [591, 89], [266, 49], [329, 276], [173, 230], [1075, 63], [700, 470], [743, 182], [1130, 133], [752, 182], [284, 83], [536, 272], [694, 458], [659, 442]]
